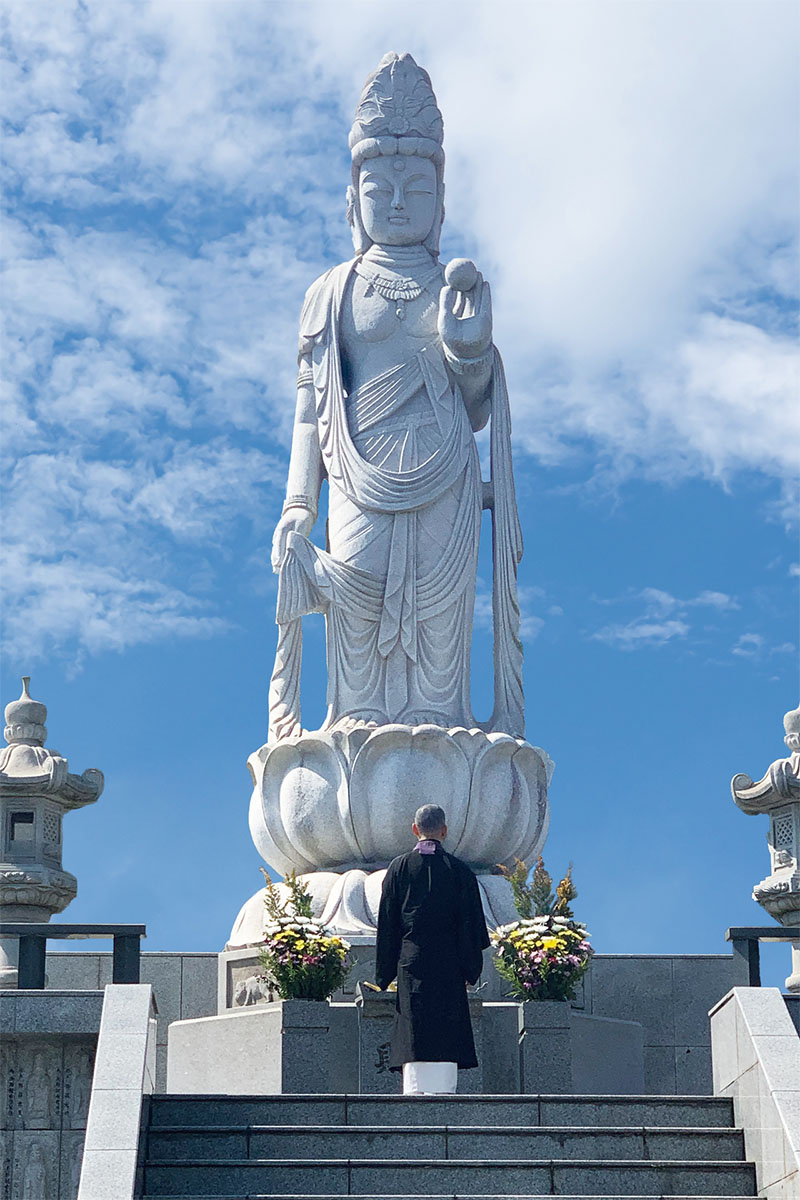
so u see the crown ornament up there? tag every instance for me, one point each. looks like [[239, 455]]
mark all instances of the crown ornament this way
[[397, 101]]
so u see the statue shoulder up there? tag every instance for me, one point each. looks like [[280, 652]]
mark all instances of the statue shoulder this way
[[317, 304]]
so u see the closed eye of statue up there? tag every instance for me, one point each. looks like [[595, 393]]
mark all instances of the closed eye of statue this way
[[422, 186]]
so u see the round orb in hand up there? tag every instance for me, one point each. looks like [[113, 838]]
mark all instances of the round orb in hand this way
[[461, 274]]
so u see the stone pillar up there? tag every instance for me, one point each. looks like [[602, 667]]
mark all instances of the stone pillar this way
[[778, 795], [545, 1047], [375, 1021]]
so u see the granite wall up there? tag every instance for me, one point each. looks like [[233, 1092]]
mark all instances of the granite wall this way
[[669, 995], [47, 1057], [184, 985]]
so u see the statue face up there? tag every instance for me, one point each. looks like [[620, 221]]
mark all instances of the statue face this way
[[398, 197]]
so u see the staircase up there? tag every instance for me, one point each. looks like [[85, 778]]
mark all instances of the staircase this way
[[243, 1147]]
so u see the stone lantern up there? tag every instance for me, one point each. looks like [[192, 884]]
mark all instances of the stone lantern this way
[[36, 789], [778, 795]]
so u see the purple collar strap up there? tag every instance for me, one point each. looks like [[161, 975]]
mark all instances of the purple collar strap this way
[[426, 846]]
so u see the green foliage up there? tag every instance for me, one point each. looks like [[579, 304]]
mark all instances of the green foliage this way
[[535, 898], [541, 890], [518, 878], [565, 892], [297, 902]]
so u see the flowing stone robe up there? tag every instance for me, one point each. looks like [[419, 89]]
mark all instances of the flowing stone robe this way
[[397, 583], [431, 937]]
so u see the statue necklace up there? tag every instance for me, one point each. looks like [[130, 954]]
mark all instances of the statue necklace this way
[[397, 289]]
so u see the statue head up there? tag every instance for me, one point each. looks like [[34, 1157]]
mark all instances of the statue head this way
[[397, 191]]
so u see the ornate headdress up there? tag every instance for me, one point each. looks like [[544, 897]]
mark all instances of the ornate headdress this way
[[396, 114], [397, 108]]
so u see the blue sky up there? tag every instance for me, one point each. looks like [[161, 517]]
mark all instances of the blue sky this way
[[626, 176]]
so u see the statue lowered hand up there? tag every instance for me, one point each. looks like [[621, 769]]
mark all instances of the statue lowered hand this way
[[465, 311], [296, 519]]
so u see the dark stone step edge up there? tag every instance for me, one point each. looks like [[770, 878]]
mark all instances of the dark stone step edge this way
[[650, 1164], [691, 1130], [464, 1098]]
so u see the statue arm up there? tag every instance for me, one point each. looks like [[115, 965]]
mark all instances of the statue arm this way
[[465, 327], [474, 381], [305, 463], [305, 468]]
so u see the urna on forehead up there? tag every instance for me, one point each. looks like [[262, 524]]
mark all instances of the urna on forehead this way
[[397, 114]]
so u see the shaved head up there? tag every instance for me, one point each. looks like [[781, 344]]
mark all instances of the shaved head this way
[[430, 819]]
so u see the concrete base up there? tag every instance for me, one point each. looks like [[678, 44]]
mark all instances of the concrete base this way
[[668, 995], [287, 1046], [295, 1046], [607, 1056]]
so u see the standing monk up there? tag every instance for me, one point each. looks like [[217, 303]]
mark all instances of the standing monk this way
[[431, 937]]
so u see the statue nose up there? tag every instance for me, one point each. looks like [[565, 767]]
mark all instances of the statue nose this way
[[398, 200]]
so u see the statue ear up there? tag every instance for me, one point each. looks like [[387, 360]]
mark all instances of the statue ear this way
[[431, 242], [360, 240]]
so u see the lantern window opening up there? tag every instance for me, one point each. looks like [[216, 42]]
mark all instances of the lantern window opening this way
[[21, 828]]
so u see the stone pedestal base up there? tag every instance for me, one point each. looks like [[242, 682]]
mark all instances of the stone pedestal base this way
[[564, 1052], [341, 802], [296, 1046], [544, 1046], [292, 1046]]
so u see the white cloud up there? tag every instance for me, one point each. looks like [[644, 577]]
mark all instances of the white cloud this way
[[756, 648], [622, 172], [794, 570], [641, 633], [664, 618], [68, 601], [719, 600]]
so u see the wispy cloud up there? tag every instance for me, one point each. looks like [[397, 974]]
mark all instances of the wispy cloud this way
[[757, 648], [640, 633], [663, 618]]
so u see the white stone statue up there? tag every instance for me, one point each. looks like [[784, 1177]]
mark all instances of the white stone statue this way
[[397, 373], [397, 369]]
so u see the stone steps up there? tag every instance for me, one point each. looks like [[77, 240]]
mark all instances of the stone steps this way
[[443, 1142], [402, 1111], [293, 1147], [422, 1177]]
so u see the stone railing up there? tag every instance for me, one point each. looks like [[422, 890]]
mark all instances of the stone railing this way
[[124, 1074], [756, 1060]]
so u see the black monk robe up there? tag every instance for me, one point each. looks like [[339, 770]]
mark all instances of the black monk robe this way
[[431, 935]]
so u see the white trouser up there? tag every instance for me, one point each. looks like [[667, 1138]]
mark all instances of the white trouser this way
[[429, 1078]]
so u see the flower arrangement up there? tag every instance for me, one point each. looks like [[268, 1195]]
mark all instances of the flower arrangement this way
[[546, 953], [301, 959]]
